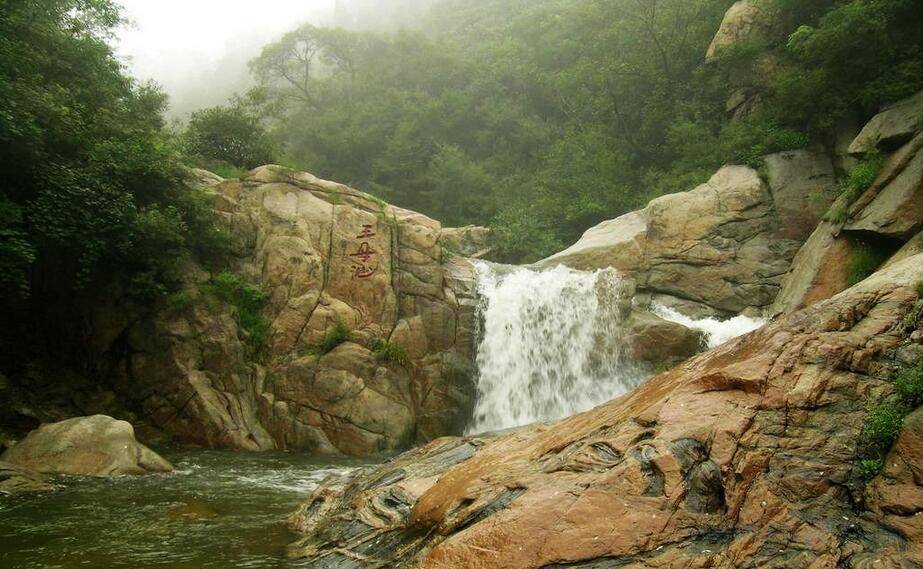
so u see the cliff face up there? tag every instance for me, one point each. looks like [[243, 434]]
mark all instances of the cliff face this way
[[744, 456], [325, 256]]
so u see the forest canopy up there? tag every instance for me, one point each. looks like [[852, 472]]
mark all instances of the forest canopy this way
[[544, 118]]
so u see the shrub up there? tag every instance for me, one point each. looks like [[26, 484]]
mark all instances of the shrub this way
[[864, 259], [881, 429], [870, 467], [390, 351], [339, 334], [909, 385], [919, 288], [860, 178], [247, 301], [230, 135]]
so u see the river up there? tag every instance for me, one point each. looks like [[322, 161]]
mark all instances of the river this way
[[218, 510]]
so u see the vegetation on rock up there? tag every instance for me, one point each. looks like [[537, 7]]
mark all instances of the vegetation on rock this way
[[864, 259], [338, 334], [883, 424], [580, 111], [389, 351], [247, 301]]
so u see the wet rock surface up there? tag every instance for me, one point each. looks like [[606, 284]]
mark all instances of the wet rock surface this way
[[90, 446], [744, 456]]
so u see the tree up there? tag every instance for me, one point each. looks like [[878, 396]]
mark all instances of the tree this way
[[230, 135], [93, 201]]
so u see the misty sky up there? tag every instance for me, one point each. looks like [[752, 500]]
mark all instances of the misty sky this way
[[198, 49]]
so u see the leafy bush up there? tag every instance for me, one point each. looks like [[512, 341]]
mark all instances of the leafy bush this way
[[909, 385], [228, 138], [389, 351], [339, 334], [882, 427], [870, 467], [864, 260], [247, 301], [860, 178]]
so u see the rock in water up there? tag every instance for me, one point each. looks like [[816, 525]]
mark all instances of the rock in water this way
[[89, 446], [744, 456], [17, 480]]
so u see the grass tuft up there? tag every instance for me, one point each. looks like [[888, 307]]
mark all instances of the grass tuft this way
[[339, 334], [390, 351]]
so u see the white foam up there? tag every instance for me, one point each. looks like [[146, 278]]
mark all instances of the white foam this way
[[549, 346], [717, 331]]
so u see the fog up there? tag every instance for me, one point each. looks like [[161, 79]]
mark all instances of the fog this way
[[198, 49]]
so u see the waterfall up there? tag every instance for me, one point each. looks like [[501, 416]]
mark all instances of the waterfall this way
[[548, 345]]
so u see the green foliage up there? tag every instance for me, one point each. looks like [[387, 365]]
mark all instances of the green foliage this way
[[882, 426], [228, 140], [247, 301], [338, 334], [908, 383], [860, 178], [919, 289], [92, 191], [17, 253], [389, 351], [883, 423], [543, 118], [864, 259], [869, 468]]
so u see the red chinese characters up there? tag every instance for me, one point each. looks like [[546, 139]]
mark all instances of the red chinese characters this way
[[365, 258]]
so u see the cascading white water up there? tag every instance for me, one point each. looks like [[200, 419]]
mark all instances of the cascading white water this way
[[549, 345], [717, 331]]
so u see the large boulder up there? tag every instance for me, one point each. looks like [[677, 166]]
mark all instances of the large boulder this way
[[893, 205], [618, 243], [327, 258], [802, 185], [720, 244], [471, 241], [888, 214], [88, 446], [892, 127], [819, 271], [650, 338], [742, 457], [746, 23]]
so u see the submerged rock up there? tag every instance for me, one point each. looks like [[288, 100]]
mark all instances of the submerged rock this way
[[744, 456], [89, 446]]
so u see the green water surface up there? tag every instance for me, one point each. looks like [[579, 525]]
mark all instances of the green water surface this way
[[218, 510]]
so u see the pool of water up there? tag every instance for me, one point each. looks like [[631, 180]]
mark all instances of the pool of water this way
[[218, 510]]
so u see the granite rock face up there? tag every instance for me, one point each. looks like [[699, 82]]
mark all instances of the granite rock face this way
[[744, 456], [720, 245], [892, 127], [326, 257], [886, 217]]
